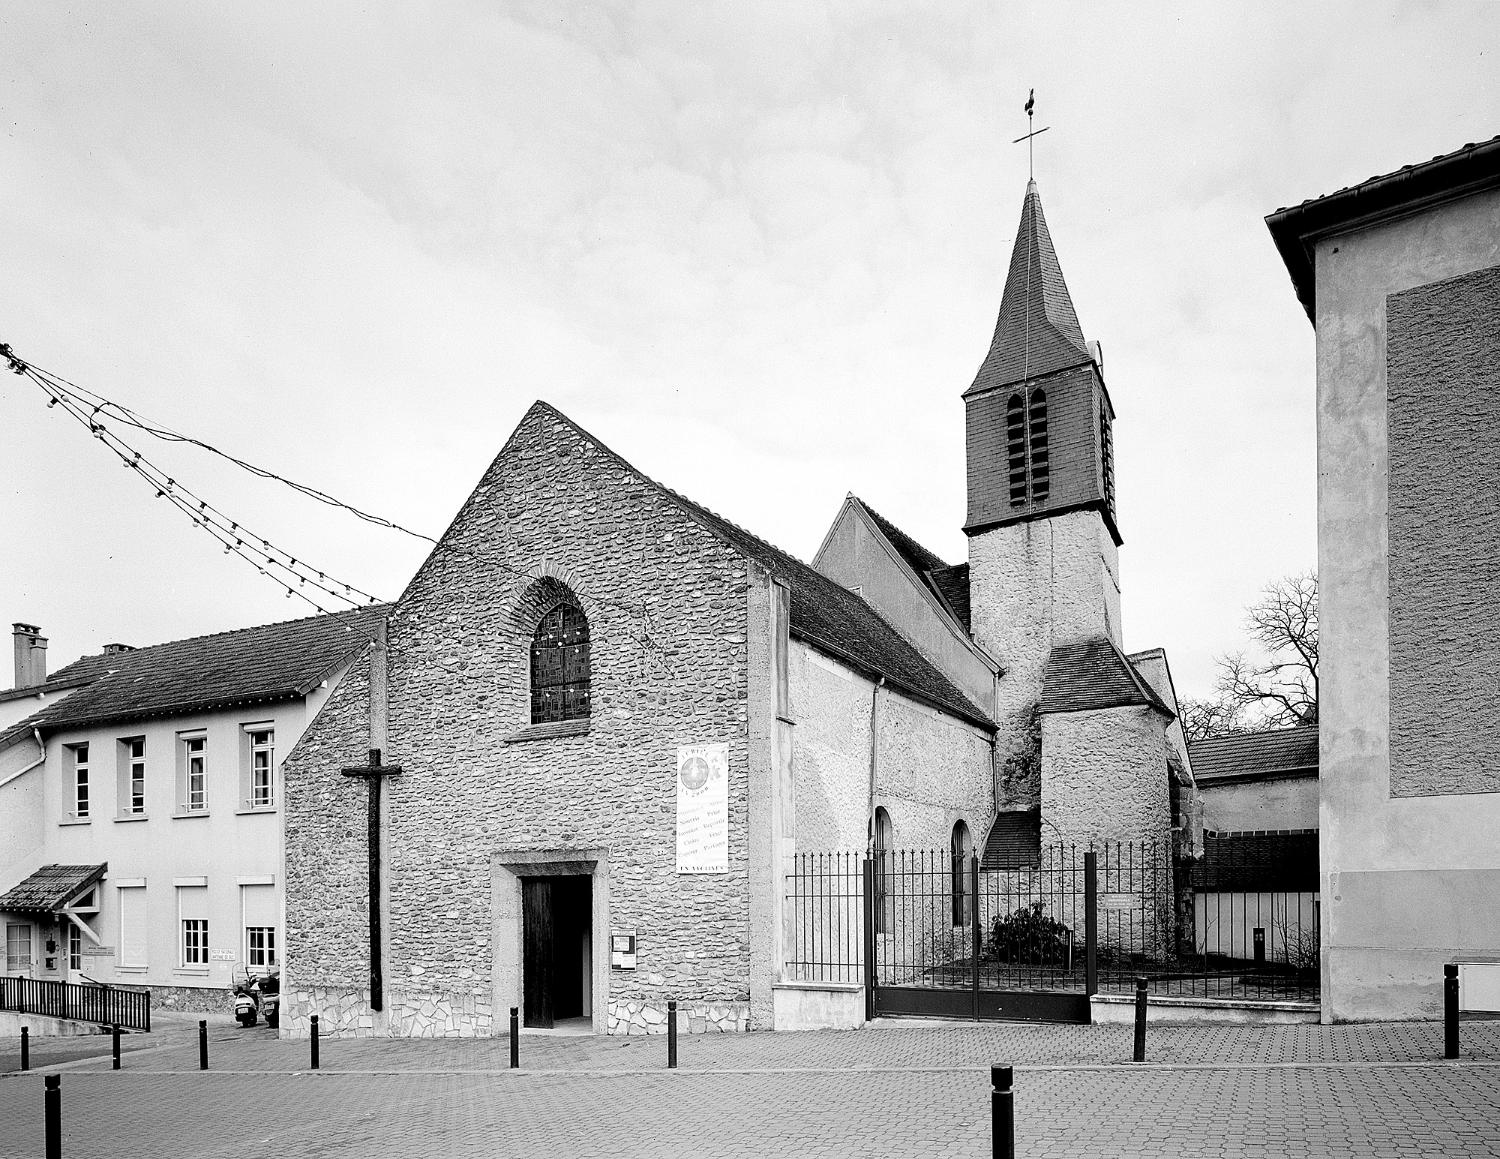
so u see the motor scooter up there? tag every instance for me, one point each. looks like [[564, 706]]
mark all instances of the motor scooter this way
[[258, 996]]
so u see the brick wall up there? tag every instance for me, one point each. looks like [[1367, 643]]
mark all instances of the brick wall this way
[[552, 504]]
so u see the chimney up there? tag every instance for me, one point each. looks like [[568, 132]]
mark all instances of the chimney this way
[[31, 654]]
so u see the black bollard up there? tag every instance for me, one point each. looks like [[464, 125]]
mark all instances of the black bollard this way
[[671, 1034], [202, 1044], [313, 1041], [1002, 1114], [1450, 1010], [515, 1037], [1140, 1020], [25, 1048], [115, 1046], [52, 1112]]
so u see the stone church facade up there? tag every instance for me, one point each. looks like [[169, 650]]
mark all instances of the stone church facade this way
[[579, 627]]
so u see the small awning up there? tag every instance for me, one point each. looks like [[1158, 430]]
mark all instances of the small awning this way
[[50, 888]]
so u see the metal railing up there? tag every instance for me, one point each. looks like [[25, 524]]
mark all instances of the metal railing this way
[[107, 1005]]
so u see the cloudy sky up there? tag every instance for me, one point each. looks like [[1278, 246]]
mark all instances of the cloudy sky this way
[[756, 247]]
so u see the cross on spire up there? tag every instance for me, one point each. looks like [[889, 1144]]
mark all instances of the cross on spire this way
[[1031, 135]]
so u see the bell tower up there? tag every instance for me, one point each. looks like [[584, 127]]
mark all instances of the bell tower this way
[[1043, 540]]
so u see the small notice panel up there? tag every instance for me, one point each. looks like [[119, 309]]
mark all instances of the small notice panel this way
[[98, 951], [622, 951], [1117, 902], [222, 955], [703, 808]]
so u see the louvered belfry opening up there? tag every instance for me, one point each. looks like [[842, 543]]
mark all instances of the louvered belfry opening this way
[[1037, 445], [560, 666], [1028, 464], [1107, 454], [1015, 448]]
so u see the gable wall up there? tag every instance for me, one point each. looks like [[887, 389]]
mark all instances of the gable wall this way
[[859, 560], [551, 502]]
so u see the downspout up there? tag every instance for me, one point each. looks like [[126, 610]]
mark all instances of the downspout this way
[[40, 744], [874, 761]]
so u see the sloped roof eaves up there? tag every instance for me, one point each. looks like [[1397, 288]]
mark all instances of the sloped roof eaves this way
[[1263, 755], [917, 557], [266, 664], [1296, 229], [50, 888], [1092, 675]]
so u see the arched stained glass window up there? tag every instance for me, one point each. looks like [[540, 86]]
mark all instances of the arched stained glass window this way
[[560, 666]]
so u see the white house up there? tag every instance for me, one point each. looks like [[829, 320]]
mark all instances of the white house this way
[[140, 799]]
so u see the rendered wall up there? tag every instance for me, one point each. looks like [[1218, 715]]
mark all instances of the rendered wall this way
[[1104, 776], [856, 557], [932, 770], [1407, 882], [1283, 803], [224, 844]]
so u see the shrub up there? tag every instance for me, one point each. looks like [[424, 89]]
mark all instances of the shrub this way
[[1028, 935]]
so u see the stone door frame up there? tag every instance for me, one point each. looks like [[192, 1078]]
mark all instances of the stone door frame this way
[[507, 867]]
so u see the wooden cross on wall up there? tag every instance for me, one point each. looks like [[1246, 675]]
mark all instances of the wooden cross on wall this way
[[374, 773]]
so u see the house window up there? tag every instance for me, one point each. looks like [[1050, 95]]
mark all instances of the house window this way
[[195, 941], [258, 909], [961, 851], [132, 787], [560, 666], [79, 782], [192, 917], [75, 947], [261, 766], [132, 925], [192, 772], [17, 947], [260, 947]]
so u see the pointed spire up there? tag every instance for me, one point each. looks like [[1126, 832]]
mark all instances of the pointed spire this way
[[1037, 331]]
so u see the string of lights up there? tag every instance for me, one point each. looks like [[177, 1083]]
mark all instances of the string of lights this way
[[98, 404], [299, 578]]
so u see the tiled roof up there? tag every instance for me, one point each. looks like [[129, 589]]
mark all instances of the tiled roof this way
[[1014, 841], [1037, 331], [1262, 861], [824, 613], [50, 888], [1094, 674], [917, 557], [952, 583], [949, 582], [1256, 755], [259, 665]]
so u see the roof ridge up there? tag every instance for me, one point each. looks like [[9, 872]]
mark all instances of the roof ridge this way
[[132, 650]]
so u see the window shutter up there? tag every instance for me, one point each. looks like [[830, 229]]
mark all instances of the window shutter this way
[[192, 902], [133, 926], [259, 904]]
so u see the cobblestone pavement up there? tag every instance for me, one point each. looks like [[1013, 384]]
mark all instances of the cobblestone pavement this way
[[887, 1090]]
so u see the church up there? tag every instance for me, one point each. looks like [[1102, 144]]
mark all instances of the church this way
[[571, 771]]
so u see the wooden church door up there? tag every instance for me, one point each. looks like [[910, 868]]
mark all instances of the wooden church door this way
[[537, 950]]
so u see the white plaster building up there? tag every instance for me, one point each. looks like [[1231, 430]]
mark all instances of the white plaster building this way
[[140, 804]]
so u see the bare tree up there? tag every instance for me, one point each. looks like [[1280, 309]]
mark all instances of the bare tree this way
[[1279, 689]]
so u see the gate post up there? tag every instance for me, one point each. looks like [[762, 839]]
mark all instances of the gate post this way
[[1091, 923], [869, 876], [978, 930]]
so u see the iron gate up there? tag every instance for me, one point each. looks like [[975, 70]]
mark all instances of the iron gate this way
[[928, 936]]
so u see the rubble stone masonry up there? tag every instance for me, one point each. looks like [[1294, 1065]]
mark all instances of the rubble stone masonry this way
[[666, 604]]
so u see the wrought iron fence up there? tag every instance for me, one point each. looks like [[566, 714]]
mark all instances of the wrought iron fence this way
[[934, 924], [95, 1003]]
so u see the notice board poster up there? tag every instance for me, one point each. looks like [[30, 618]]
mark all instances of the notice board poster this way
[[703, 808]]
